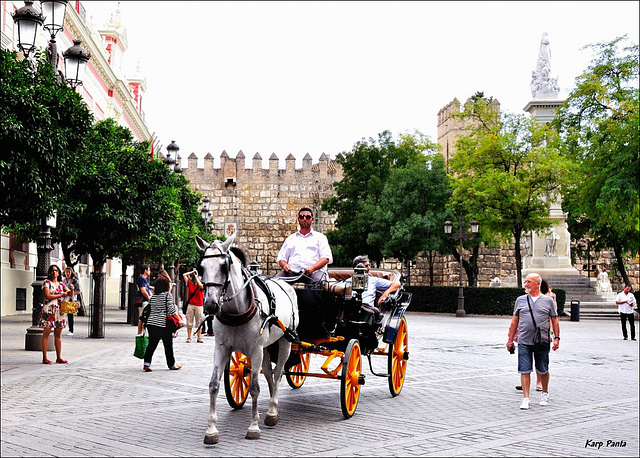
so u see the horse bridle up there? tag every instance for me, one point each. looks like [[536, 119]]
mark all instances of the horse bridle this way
[[225, 285]]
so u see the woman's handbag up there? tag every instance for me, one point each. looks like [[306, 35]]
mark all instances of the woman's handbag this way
[[141, 345], [70, 307], [173, 323], [82, 309]]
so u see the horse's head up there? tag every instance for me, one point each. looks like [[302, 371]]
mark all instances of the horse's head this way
[[216, 265]]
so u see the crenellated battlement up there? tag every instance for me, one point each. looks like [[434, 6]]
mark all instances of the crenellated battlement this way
[[260, 201]]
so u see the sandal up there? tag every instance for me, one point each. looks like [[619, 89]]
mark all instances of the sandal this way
[[200, 341], [538, 388], [61, 361], [147, 369], [519, 387], [47, 361], [177, 367]]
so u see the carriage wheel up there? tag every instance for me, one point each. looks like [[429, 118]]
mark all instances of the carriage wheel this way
[[296, 381], [237, 378], [350, 380], [398, 354]]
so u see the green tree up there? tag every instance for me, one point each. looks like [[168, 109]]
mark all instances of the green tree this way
[[43, 124], [506, 170], [408, 219], [599, 125], [366, 168]]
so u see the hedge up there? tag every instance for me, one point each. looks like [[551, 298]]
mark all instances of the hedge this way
[[479, 301]]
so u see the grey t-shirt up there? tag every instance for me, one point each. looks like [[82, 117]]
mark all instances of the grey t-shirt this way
[[543, 308]]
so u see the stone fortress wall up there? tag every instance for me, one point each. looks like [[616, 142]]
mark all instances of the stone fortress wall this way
[[261, 204]]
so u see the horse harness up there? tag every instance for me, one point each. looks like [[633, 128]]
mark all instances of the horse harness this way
[[237, 319]]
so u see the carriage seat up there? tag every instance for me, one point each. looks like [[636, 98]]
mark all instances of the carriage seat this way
[[345, 274]]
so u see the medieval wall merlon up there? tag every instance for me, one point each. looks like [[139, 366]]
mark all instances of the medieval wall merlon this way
[[273, 162]]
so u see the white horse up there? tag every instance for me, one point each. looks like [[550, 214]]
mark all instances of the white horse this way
[[241, 309]]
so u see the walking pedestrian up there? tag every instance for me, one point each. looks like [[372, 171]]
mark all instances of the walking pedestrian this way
[[530, 317], [143, 294], [626, 301], [51, 317], [194, 304], [161, 306], [71, 282]]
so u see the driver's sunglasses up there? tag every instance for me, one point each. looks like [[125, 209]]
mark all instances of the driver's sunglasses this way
[[305, 216]]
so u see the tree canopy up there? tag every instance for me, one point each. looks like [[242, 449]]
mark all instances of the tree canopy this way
[[387, 199], [506, 170], [599, 125], [43, 124]]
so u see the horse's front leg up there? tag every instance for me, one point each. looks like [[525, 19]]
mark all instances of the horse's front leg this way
[[254, 388], [211, 435], [284, 348]]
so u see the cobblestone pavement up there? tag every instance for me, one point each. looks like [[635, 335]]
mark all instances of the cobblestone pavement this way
[[458, 398]]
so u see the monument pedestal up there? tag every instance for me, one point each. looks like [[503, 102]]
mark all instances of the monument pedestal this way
[[549, 253]]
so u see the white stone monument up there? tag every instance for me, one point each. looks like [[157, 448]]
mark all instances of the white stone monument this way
[[547, 253]]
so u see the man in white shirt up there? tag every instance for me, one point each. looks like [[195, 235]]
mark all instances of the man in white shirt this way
[[626, 301], [305, 251]]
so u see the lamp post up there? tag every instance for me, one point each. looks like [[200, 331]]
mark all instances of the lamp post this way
[[33, 339], [461, 235], [205, 212], [28, 21], [171, 159]]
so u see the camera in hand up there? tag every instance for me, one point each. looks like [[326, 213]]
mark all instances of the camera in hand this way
[[512, 350]]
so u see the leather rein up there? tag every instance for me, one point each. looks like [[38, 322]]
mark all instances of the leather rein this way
[[233, 319]]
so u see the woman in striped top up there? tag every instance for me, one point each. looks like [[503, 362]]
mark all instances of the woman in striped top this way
[[161, 306]]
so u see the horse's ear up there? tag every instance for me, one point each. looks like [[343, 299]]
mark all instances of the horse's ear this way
[[227, 243], [202, 243]]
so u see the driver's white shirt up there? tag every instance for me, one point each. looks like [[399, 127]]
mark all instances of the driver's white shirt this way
[[302, 251]]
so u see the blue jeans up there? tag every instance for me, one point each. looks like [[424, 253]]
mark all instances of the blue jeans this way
[[527, 353]]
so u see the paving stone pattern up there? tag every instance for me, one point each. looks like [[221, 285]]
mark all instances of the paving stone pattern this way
[[458, 398]]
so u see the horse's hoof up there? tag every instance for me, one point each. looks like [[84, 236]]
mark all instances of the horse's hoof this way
[[252, 435], [211, 439], [271, 420]]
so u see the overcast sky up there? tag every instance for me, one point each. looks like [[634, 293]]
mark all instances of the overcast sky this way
[[316, 77]]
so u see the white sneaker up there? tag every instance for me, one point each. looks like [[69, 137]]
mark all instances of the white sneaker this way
[[525, 404], [69, 333], [544, 400]]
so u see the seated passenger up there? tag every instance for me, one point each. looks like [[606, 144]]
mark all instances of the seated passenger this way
[[375, 284], [305, 251]]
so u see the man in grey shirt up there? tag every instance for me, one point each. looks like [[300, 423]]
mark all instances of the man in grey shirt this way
[[543, 308]]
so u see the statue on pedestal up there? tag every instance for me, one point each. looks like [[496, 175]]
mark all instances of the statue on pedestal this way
[[551, 247], [603, 285], [542, 85]]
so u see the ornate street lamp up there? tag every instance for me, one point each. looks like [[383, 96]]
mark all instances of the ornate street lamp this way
[[33, 339], [170, 162], [28, 21], [460, 235], [75, 64], [205, 212]]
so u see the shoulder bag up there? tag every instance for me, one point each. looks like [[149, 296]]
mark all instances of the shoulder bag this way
[[173, 323], [186, 304], [537, 338]]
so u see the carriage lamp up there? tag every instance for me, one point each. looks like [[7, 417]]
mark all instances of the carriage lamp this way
[[254, 267], [360, 279]]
